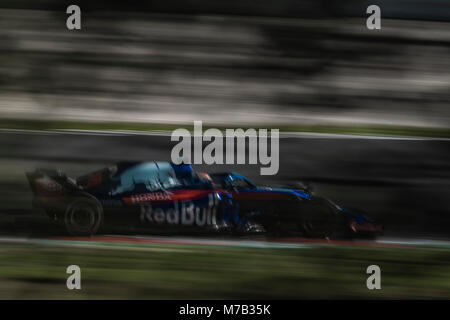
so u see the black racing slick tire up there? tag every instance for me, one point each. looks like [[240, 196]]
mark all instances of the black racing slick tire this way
[[83, 217], [319, 219]]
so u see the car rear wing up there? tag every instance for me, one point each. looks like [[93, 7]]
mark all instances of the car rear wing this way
[[48, 182]]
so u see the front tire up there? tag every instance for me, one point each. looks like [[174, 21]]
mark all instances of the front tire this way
[[319, 220], [83, 217]]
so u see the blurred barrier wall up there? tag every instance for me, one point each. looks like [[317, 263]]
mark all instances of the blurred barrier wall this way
[[130, 64]]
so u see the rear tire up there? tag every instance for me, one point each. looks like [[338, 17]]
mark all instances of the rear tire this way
[[83, 217]]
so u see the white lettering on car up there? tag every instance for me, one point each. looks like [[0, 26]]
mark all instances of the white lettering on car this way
[[188, 214], [146, 197]]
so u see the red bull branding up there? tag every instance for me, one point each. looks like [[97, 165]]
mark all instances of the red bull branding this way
[[182, 213]]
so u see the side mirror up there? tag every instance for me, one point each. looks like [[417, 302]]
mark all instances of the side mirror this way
[[309, 187], [304, 185]]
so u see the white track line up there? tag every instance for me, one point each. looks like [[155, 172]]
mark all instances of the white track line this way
[[162, 133], [415, 242], [215, 242], [167, 241]]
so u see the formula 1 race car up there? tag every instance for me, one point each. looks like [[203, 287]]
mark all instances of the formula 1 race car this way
[[164, 197]]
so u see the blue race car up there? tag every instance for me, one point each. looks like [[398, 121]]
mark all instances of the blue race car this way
[[164, 197]]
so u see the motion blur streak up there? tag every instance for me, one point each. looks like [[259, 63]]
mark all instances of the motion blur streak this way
[[126, 66]]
